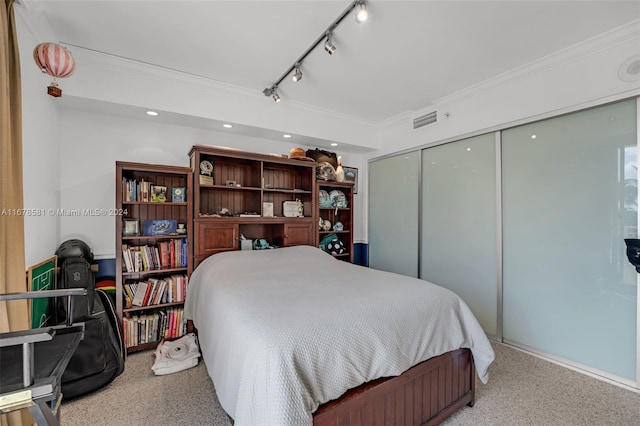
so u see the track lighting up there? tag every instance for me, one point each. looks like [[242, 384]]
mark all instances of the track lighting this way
[[328, 45], [298, 74], [360, 14]]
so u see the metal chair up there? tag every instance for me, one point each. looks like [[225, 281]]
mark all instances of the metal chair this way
[[43, 354]]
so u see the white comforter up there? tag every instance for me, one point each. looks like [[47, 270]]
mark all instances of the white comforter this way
[[283, 331]]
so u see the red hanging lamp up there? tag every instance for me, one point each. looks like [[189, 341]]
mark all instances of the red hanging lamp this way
[[55, 60]]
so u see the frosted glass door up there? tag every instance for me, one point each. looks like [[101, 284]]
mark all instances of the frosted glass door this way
[[393, 213], [459, 210], [569, 200]]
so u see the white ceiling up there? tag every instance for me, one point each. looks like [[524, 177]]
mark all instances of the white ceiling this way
[[408, 54]]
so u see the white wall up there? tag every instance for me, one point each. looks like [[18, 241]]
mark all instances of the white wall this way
[[91, 143], [40, 144]]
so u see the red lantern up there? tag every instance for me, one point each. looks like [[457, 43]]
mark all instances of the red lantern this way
[[55, 60]]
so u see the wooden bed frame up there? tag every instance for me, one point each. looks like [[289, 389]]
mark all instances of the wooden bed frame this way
[[426, 394]]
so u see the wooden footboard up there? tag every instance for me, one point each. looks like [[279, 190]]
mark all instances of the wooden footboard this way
[[426, 394]]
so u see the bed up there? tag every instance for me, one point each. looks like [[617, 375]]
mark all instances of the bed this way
[[295, 337]]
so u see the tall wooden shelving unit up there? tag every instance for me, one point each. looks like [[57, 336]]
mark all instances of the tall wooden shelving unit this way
[[170, 177], [343, 215], [242, 183]]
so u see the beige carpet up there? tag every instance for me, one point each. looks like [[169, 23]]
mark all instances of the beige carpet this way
[[522, 390]]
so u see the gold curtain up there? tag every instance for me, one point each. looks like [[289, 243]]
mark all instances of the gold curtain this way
[[13, 315]]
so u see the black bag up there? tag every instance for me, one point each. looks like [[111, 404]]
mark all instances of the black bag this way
[[75, 272], [322, 156], [100, 356]]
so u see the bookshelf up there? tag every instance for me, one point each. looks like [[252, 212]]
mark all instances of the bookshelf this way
[[153, 251], [242, 193], [343, 215]]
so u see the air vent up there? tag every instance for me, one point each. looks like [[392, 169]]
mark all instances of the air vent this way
[[432, 117]]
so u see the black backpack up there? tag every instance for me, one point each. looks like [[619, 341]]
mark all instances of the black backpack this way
[[100, 356]]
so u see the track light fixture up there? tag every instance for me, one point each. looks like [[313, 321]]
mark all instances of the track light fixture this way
[[361, 12], [274, 94], [298, 74], [329, 47], [361, 16]]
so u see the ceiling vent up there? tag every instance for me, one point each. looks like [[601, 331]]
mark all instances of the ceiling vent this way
[[421, 121]]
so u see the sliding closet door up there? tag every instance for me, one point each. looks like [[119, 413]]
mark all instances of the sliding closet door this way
[[458, 236], [393, 213], [569, 200]]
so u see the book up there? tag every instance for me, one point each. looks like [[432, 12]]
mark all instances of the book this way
[[138, 299]]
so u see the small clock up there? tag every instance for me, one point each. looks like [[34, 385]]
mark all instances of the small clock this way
[[206, 168]]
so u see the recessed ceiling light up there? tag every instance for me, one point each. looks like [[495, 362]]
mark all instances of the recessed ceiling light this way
[[152, 113], [468, 149], [334, 144], [227, 125], [286, 135], [533, 136]]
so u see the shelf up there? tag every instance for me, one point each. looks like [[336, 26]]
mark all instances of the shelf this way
[[142, 347], [346, 254], [153, 237], [230, 188], [149, 203], [269, 180], [287, 191], [162, 305], [154, 272], [133, 178], [343, 215]]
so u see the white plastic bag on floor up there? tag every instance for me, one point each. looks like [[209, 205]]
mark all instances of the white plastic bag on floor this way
[[176, 355]]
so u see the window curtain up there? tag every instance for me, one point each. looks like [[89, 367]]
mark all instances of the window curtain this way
[[13, 315]]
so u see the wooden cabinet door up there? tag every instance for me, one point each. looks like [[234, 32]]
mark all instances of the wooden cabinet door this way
[[216, 237], [298, 234]]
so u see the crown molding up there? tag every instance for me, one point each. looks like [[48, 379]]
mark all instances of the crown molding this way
[[117, 64]]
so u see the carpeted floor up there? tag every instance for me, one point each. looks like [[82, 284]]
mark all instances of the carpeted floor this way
[[522, 390]]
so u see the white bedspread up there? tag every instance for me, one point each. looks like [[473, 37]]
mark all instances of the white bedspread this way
[[283, 331]]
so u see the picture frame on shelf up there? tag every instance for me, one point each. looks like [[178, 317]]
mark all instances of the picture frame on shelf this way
[[351, 176], [178, 194], [130, 227], [159, 194]]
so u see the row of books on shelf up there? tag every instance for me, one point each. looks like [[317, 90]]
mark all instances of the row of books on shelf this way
[[153, 327], [165, 254], [134, 190], [154, 291]]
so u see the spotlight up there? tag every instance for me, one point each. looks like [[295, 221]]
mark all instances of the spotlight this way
[[361, 12], [274, 94], [298, 74], [328, 46]]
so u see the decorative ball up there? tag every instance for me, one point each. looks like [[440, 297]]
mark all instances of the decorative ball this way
[[335, 246]]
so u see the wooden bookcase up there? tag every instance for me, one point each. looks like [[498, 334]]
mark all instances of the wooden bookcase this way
[[137, 209], [242, 182], [343, 215]]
